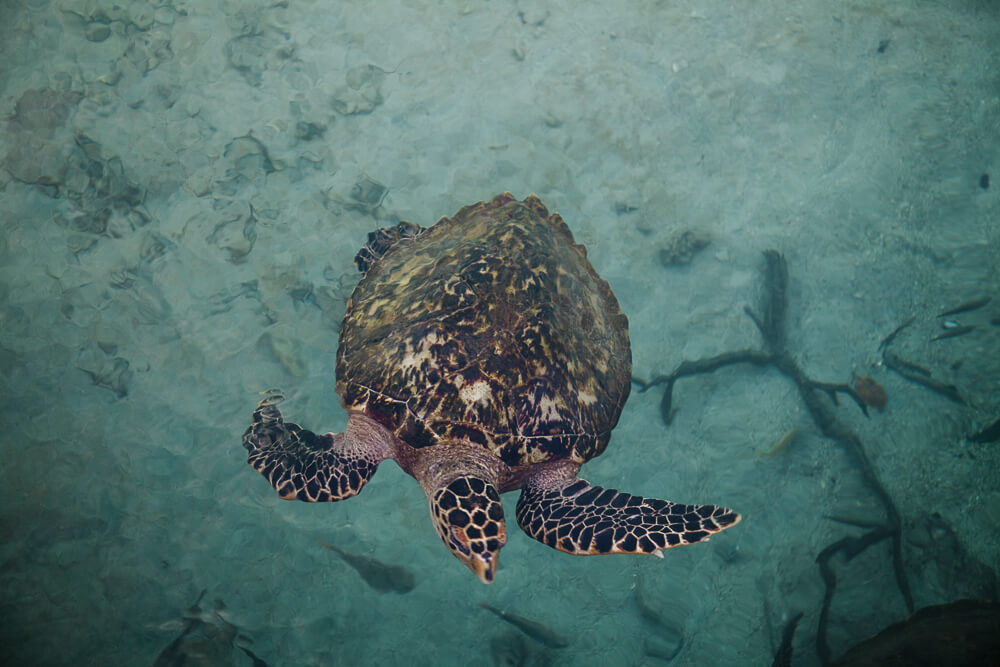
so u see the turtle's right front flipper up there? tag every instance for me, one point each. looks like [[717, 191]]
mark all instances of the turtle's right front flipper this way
[[302, 465]]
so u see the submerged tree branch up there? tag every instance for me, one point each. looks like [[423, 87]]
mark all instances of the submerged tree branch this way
[[771, 322]]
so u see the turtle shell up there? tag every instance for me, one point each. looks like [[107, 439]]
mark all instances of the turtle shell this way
[[490, 326]]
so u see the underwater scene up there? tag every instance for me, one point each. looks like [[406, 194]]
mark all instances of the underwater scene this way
[[658, 333]]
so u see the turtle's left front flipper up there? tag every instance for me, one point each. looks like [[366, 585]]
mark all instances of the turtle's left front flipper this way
[[575, 517], [302, 465]]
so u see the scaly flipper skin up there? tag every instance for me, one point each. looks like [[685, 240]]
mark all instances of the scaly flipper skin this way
[[381, 240], [585, 520], [302, 465]]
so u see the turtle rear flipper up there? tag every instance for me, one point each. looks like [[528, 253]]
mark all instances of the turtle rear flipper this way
[[584, 520], [302, 465]]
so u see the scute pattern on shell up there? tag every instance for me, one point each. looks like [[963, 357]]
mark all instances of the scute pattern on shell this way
[[490, 326]]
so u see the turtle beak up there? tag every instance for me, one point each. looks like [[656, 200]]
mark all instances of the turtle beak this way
[[480, 556], [485, 568], [483, 564], [469, 519]]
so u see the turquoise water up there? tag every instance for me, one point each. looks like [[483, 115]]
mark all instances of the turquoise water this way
[[184, 187]]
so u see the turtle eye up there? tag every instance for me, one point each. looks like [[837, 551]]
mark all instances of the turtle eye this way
[[457, 543]]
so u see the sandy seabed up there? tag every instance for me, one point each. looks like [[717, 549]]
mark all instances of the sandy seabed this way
[[184, 187]]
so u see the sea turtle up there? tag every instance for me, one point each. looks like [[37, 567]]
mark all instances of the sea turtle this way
[[483, 354]]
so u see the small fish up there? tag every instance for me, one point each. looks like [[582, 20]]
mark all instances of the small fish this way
[[967, 306], [954, 332], [670, 635], [859, 522], [533, 629], [906, 365], [661, 650], [891, 337], [871, 392], [783, 657], [378, 575], [949, 391], [648, 613], [989, 434], [207, 639], [666, 414], [781, 445], [510, 650]]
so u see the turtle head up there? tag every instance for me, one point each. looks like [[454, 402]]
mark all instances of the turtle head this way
[[469, 518]]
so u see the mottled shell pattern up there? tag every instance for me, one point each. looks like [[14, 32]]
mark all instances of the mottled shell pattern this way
[[490, 326]]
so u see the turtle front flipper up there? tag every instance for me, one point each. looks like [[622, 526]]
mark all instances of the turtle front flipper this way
[[302, 465], [580, 519]]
